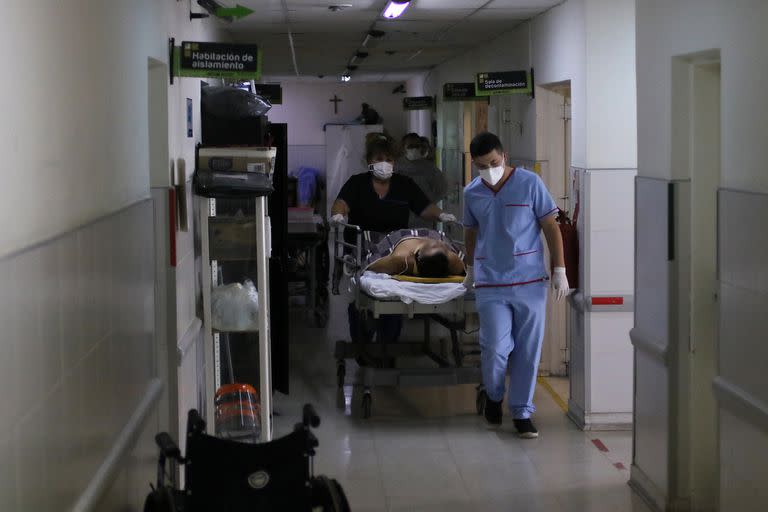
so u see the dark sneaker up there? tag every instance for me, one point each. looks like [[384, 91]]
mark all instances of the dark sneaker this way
[[493, 413], [525, 429]]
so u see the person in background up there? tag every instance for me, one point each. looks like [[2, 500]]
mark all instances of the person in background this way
[[429, 152], [369, 115], [505, 211], [415, 164], [379, 200]]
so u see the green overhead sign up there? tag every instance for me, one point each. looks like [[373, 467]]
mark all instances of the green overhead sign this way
[[418, 103], [218, 60], [503, 82], [461, 91], [233, 12]]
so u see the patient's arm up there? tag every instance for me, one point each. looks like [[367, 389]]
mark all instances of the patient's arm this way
[[392, 265]]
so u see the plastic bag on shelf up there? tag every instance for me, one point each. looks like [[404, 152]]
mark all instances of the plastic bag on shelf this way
[[233, 103], [235, 307]]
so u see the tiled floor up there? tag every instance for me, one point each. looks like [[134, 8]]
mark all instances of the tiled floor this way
[[426, 450]]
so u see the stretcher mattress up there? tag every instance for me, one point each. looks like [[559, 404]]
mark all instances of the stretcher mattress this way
[[383, 286]]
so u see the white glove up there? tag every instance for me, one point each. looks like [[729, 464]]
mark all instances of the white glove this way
[[447, 217], [469, 279], [560, 283], [339, 218]]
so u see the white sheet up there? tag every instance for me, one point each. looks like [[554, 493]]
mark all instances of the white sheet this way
[[382, 286]]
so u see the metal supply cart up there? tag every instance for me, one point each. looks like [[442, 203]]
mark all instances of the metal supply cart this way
[[235, 234]]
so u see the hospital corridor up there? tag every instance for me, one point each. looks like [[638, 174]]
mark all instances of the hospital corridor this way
[[384, 256]]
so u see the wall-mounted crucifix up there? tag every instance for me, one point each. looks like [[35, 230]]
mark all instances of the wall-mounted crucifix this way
[[335, 101]]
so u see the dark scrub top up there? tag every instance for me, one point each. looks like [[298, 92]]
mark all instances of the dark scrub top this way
[[385, 214]]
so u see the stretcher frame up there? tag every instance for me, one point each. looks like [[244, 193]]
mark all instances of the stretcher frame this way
[[452, 315]]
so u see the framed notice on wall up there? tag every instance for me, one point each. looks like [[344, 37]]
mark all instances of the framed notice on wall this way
[[190, 133]]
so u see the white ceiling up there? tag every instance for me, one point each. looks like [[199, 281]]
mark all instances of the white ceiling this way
[[427, 34]]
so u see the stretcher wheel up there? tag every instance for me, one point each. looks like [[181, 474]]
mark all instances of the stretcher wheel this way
[[341, 372], [367, 404], [482, 397]]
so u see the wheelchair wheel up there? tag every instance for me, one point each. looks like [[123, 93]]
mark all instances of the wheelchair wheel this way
[[480, 401], [367, 404], [328, 496], [160, 500]]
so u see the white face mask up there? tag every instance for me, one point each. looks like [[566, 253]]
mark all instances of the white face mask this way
[[413, 154], [492, 175], [382, 170]]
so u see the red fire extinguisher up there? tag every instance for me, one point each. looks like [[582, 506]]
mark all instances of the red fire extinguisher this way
[[570, 246]]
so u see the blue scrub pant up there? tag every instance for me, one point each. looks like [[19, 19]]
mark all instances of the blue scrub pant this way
[[511, 332]]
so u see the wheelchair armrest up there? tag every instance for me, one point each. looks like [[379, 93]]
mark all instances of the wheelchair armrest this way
[[310, 417], [168, 446]]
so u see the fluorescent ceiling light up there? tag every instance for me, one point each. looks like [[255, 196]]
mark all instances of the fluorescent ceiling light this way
[[395, 8]]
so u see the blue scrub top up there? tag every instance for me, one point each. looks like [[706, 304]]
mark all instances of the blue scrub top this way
[[509, 250]]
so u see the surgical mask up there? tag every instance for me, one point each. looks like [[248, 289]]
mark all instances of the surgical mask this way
[[492, 175], [413, 154], [382, 170]]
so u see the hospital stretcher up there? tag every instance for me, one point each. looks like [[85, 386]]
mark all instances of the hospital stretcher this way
[[457, 365]]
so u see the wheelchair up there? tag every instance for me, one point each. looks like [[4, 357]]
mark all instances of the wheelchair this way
[[222, 475]]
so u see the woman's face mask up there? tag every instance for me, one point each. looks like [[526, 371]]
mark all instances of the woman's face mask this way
[[413, 154], [381, 170]]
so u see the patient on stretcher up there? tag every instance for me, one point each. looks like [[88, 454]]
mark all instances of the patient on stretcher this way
[[422, 253]]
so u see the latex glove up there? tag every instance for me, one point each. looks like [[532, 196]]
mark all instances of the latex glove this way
[[339, 218], [447, 217], [560, 283], [469, 279]]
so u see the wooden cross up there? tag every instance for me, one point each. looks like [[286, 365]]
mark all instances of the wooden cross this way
[[335, 101]]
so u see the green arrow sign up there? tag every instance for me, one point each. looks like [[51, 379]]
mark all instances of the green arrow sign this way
[[233, 12]]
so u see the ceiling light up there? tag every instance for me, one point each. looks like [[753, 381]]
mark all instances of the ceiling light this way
[[395, 8]]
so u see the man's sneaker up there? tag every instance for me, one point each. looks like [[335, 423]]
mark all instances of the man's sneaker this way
[[493, 413], [525, 429]]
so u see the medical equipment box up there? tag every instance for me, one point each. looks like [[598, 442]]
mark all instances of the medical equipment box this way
[[244, 159]]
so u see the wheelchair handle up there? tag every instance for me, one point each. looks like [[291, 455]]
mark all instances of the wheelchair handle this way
[[167, 446], [310, 417]]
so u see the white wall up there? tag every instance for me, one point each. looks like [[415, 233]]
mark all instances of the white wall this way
[[685, 28], [75, 110], [75, 127], [558, 49], [306, 108], [611, 131]]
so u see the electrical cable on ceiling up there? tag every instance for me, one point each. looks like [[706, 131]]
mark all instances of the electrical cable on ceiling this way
[[290, 36]]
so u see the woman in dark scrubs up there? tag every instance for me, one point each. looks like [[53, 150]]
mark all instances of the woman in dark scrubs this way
[[379, 200]]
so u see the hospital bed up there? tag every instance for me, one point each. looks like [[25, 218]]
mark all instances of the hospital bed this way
[[374, 295]]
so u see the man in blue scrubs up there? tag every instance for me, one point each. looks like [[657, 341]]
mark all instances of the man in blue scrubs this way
[[505, 211]]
